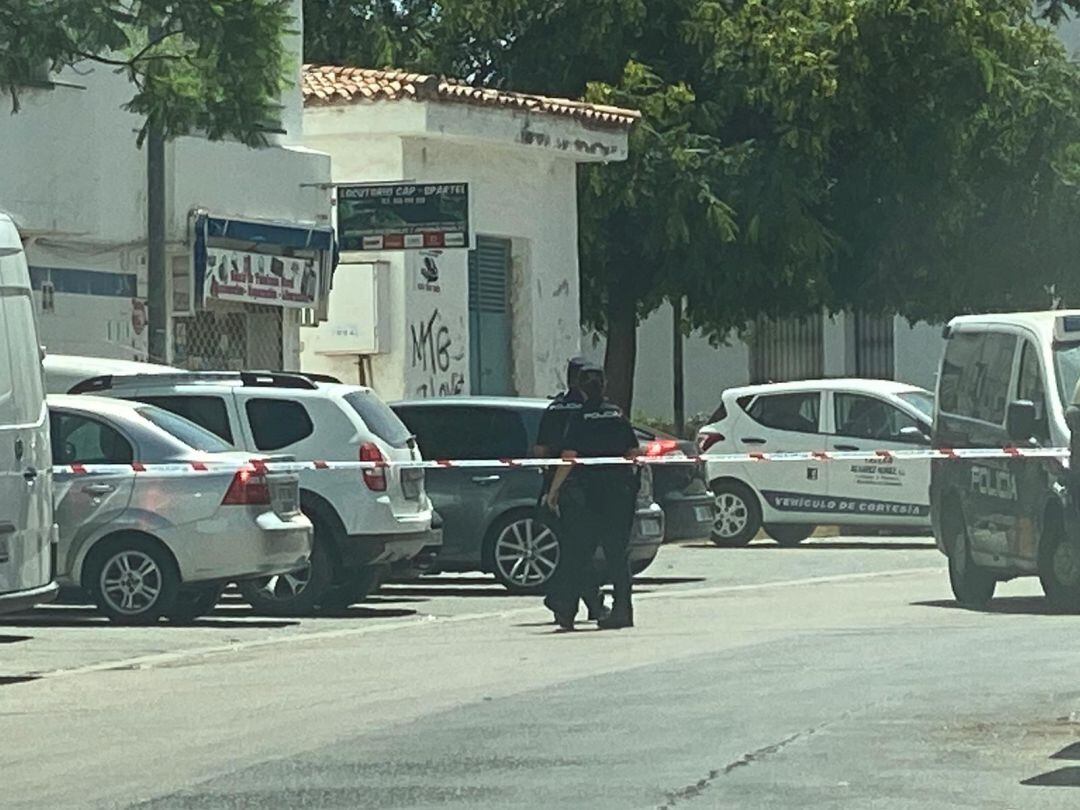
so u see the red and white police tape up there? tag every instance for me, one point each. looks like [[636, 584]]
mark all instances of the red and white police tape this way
[[875, 456]]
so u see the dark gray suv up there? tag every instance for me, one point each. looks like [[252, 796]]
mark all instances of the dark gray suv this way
[[489, 514]]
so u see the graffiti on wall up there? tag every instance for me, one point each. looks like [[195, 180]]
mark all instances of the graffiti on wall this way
[[434, 354]]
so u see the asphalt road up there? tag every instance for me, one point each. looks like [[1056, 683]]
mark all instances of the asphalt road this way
[[838, 674]]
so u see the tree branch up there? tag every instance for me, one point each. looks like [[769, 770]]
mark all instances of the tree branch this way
[[140, 56]]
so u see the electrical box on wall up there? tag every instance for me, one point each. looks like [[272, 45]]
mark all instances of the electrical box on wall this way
[[358, 312]]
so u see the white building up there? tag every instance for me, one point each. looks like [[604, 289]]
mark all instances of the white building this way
[[75, 183], [500, 319]]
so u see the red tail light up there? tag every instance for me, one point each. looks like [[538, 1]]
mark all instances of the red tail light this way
[[248, 488], [374, 477], [661, 447], [707, 440]]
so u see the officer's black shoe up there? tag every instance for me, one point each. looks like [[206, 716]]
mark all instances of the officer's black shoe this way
[[596, 607], [617, 619], [565, 620]]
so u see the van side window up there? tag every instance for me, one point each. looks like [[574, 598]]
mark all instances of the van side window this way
[[1030, 386], [975, 375], [795, 412], [78, 439]]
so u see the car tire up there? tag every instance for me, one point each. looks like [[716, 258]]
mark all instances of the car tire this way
[[737, 514], [507, 547], [640, 566], [789, 534], [133, 579], [1059, 569], [296, 593], [359, 585], [972, 585], [194, 602]]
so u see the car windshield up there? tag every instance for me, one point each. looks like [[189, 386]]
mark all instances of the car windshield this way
[[185, 430], [1067, 370], [922, 400], [379, 418]]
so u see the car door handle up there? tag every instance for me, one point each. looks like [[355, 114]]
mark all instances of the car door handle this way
[[847, 447], [752, 440], [98, 489], [485, 479], [30, 474]]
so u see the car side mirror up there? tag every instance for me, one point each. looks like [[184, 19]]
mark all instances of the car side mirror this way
[[1020, 420], [916, 434]]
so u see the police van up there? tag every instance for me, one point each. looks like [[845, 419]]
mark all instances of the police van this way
[[1007, 380], [27, 533]]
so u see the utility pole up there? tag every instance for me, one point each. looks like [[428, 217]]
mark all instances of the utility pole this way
[[155, 234], [677, 365]]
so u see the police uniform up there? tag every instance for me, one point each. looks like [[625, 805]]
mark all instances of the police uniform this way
[[597, 504]]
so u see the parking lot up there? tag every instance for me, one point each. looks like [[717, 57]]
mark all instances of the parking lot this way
[[759, 676]]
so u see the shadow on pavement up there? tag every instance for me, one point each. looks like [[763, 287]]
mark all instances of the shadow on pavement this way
[[89, 617], [1020, 605], [5, 680], [1071, 751], [14, 639], [361, 612], [1062, 777], [666, 580], [828, 545]]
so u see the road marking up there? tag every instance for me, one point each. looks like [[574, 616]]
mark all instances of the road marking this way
[[161, 659]]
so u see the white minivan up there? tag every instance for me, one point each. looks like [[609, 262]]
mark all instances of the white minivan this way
[[27, 532]]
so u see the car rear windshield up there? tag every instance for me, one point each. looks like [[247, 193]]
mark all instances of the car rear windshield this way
[[380, 420], [185, 430], [920, 399]]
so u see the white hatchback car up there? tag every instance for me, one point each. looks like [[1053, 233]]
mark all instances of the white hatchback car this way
[[365, 520], [791, 498]]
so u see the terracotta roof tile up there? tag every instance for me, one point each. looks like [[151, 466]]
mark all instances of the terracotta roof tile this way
[[325, 85]]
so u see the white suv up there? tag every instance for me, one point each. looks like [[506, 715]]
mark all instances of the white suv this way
[[365, 520], [790, 498]]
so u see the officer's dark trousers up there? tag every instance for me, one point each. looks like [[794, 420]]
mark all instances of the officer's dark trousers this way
[[602, 516]]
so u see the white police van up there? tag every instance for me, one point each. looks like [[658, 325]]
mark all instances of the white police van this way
[[27, 533], [791, 498], [1007, 380]]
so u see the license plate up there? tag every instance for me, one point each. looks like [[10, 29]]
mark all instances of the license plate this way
[[410, 483], [650, 528], [703, 514], [283, 498]]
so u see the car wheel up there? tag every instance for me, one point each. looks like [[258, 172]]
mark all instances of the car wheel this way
[[639, 566], [298, 592], [194, 601], [356, 588], [1059, 569], [789, 534], [736, 514], [524, 552], [133, 580], [972, 585]]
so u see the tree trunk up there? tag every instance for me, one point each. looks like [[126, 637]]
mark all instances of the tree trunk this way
[[620, 354], [678, 396]]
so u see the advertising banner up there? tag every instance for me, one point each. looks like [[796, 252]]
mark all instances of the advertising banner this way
[[258, 278]]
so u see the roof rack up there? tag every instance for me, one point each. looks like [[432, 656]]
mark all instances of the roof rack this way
[[249, 379], [310, 375]]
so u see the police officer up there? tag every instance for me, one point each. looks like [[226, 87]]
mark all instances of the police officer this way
[[596, 503], [549, 439]]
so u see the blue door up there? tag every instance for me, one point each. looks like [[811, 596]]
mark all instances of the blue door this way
[[490, 334]]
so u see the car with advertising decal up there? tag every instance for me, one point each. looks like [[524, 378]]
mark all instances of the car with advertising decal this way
[[1008, 380], [366, 521], [789, 499], [162, 542]]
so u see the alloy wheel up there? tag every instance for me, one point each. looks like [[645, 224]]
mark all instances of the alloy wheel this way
[[131, 582], [526, 553], [731, 515]]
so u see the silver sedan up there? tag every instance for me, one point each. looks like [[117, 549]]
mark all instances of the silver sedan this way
[[163, 543]]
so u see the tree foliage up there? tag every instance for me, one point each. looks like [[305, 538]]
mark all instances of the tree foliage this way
[[913, 156], [210, 66]]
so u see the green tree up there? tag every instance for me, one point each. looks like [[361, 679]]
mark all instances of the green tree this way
[[914, 156], [215, 67]]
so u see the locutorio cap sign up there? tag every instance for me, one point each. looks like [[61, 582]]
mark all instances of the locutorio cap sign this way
[[403, 216]]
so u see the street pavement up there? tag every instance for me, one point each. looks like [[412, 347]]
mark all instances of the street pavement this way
[[836, 674]]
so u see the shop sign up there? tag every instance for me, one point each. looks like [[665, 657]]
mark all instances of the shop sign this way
[[403, 216], [259, 278]]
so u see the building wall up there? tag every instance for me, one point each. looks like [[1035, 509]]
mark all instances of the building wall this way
[[523, 193], [75, 182]]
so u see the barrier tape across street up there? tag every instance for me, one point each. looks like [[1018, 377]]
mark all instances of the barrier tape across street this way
[[877, 456]]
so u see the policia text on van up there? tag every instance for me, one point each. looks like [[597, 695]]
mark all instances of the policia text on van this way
[[1007, 379]]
